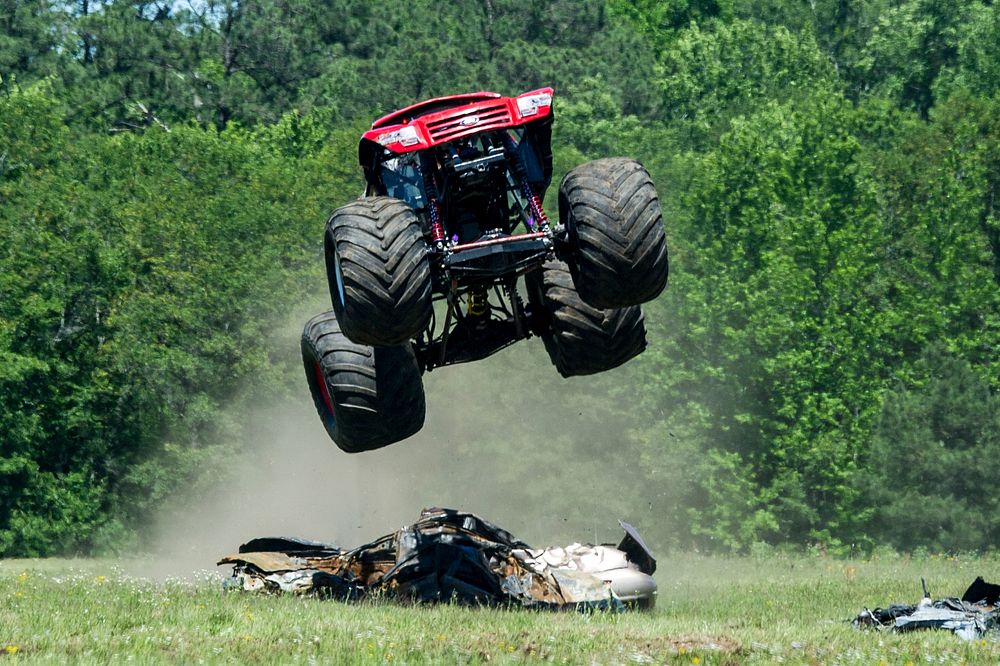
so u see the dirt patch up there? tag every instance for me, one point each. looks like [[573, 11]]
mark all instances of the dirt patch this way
[[685, 644]]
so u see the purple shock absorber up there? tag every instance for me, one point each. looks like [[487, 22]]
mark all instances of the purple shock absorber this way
[[539, 220], [537, 212], [437, 229]]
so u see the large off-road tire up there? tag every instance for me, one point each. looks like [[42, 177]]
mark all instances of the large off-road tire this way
[[367, 397], [581, 339], [377, 267], [617, 247]]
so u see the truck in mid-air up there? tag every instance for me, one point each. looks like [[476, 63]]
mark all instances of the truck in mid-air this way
[[425, 269]]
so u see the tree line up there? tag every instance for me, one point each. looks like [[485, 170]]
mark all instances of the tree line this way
[[823, 368]]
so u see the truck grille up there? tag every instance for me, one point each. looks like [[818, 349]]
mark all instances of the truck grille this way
[[469, 121]]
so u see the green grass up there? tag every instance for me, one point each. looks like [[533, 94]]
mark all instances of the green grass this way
[[710, 610]]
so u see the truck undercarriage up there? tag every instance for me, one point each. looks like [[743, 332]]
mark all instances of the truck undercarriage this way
[[451, 257]]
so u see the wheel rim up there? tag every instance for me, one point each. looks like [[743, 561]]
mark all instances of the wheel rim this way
[[572, 235], [324, 390], [338, 277]]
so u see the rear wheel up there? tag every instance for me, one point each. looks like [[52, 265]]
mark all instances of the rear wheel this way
[[582, 339], [376, 264], [617, 247], [368, 397]]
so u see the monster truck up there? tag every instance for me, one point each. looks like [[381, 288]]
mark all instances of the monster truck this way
[[424, 268]]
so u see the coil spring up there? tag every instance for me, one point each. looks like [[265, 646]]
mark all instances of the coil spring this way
[[540, 219], [535, 203], [437, 229]]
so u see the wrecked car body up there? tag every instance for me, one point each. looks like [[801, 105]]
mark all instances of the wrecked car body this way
[[458, 557], [975, 615]]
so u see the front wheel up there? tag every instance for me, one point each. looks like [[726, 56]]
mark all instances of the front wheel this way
[[617, 246], [376, 264], [581, 339], [367, 397]]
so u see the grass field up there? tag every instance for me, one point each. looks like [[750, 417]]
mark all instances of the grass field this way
[[710, 610]]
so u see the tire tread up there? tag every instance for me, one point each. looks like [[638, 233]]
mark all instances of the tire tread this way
[[383, 260], [377, 391], [619, 255], [582, 339]]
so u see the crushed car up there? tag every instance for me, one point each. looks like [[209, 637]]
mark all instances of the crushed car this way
[[450, 256], [457, 557], [975, 615]]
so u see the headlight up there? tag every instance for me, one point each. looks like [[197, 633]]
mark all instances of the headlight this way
[[406, 136], [529, 105]]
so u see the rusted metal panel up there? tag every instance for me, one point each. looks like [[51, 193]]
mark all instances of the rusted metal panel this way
[[269, 562], [450, 555]]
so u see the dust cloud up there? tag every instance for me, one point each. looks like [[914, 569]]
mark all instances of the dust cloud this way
[[506, 438]]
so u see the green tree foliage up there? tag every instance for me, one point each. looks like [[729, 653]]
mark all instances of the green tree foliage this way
[[660, 20], [978, 44], [776, 330], [842, 29], [940, 257], [828, 173], [910, 45], [403, 52], [30, 36], [130, 65], [935, 453], [714, 75], [141, 276]]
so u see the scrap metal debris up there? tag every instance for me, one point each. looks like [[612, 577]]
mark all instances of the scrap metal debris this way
[[450, 555], [975, 615]]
